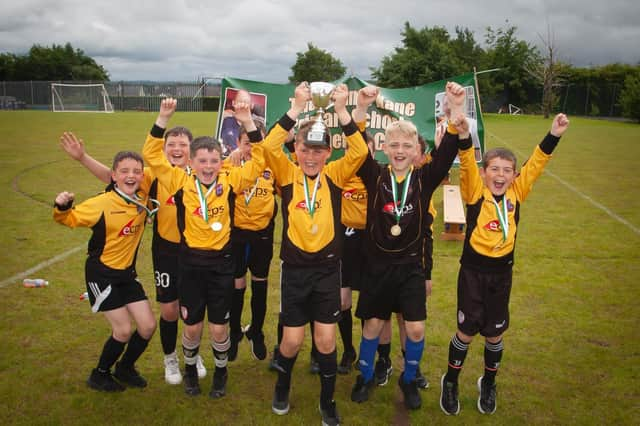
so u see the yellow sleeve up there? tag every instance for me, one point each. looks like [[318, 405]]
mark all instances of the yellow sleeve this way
[[274, 156], [245, 176], [530, 172], [85, 214], [343, 169], [470, 181], [172, 178]]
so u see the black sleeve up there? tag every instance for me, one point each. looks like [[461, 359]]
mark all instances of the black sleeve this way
[[436, 171], [549, 143], [157, 131]]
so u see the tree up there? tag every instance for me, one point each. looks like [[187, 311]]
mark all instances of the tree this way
[[51, 63], [547, 72], [316, 65], [630, 98], [427, 55], [512, 83]]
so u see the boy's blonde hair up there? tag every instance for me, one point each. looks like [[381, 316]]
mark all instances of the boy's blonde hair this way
[[401, 127]]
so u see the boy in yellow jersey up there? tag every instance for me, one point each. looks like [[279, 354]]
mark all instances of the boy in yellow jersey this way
[[117, 218], [204, 203], [252, 246], [311, 243], [493, 196], [165, 243], [399, 195]]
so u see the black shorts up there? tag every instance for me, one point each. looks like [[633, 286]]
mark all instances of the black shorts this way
[[207, 287], [483, 302], [109, 288], [310, 294], [393, 288], [353, 258], [253, 251], [165, 269]]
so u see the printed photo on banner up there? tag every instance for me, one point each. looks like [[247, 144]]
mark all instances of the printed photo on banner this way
[[228, 131], [443, 112]]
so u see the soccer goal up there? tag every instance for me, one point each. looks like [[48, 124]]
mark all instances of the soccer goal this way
[[80, 98]]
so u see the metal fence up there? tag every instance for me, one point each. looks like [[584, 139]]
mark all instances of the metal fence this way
[[124, 95]]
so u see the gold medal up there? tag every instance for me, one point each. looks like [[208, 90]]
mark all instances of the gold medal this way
[[396, 230], [216, 226], [314, 229]]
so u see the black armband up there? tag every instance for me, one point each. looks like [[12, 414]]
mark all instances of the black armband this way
[[465, 143], [255, 136], [350, 128], [64, 207], [286, 122], [157, 131], [549, 143]]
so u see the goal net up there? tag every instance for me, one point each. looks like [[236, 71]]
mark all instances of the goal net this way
[[80, 98]]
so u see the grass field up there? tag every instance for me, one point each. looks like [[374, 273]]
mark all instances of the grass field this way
[[571, 356]]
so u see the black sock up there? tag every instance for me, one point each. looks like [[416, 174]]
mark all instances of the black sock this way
[[285, 368], [220, 350], [384, 350], [237, 302], [346, 330], [168, 335], [190, 351], [137, 344], [457, 353], [492, 357], [328, 367], [110, 353], [258, 305]]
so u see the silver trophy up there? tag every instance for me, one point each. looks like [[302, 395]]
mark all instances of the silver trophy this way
[[321, 98]]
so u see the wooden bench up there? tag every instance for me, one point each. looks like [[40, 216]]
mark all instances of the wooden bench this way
[[454, 218]]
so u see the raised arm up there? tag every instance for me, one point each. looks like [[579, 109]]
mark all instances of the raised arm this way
[[168, 176], [74, 147], [366, 96]]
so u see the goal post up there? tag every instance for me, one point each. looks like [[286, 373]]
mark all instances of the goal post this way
[[80, 98]]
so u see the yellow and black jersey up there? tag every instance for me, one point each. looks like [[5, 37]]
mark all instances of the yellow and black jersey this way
[[354, 204], [485, 246], [309, 239], [415, 220], [117, 225], [208, 231], [256, 207], [165, 225]]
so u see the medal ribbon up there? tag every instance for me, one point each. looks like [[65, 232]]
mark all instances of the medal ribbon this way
[[247, 197], [503, 216], [136, 200], [311, 203], [405, 190], [203, 198]]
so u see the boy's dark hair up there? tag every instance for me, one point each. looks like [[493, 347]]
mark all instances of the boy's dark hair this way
[[205, 142], [503, 153], [123, 155], [303, 131], [177, 131], [422, 143]]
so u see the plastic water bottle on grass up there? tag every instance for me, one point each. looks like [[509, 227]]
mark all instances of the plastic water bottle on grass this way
[[35, 282]]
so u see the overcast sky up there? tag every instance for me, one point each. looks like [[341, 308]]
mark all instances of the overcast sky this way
[[188, 39]]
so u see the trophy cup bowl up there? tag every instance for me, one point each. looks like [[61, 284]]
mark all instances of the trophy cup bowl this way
[[321, 98]]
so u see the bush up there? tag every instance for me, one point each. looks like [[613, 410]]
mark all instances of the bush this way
[[630, 98]]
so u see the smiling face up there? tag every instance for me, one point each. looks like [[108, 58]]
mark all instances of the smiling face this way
[[206, 165], [498, 175], [176, 149], [127, 175], [311, 158], [401, 146]]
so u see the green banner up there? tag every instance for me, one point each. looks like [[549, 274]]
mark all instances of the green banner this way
[[422, 105]]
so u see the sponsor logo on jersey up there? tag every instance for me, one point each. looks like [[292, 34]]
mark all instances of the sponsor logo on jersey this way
[[388, 208], [219, 189], [303, 205], [170, 201], [213, 211], [266, 175], [501, 324], [510, 206], [494, 226], [354, 195], [129, 229]]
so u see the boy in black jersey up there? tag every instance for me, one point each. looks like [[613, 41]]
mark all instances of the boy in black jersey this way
[[311, 244], [399, 196], [493, 196]]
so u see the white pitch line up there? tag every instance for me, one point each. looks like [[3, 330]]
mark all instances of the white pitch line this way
[[39, 266], [611, 214]]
